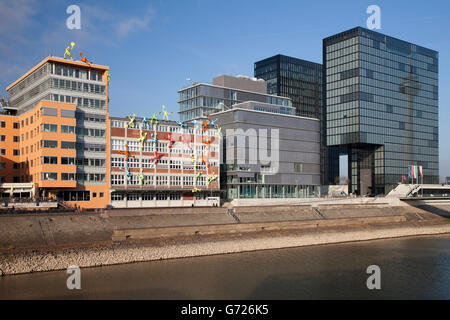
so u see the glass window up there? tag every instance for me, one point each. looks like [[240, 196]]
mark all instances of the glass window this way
[[47, 127], [49, 176], [49, 144], [67, 176], [175, 196], [67, 145], [49, 160], [117, 179], [67, 129], [67, 160], [117, 197], [161, 180], [148, 196], [161, 196], [133, 197]]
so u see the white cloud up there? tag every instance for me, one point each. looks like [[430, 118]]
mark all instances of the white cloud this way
[[135, 23], [99, 25]]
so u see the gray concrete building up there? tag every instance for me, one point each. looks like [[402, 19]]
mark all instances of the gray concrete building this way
[[268, 154], [199, 100], [301, 81]]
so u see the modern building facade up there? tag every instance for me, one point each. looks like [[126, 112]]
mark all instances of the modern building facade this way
[[38, 140], [186, 172], [269, 154], [55, 131], [301, 81], [381, 97], [297, 79], [198, 101]]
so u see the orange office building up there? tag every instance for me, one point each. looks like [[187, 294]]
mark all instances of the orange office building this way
[[54, 132]]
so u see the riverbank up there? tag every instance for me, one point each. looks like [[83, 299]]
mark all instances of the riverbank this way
[[37, 260], [34, 243]]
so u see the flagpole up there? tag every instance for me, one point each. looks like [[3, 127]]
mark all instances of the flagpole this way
[[422, 179]]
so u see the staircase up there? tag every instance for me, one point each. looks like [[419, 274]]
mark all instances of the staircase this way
[[402, 191], [235, 217]]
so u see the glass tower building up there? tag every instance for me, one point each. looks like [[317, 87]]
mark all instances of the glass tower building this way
[[297, 79], [381, 99], [301, 81]]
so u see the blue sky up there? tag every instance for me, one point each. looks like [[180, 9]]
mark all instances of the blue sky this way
[[153, 46]]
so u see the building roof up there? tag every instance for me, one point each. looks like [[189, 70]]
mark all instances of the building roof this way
[[378, 35], [212, 85], [263, 112], [57, 59], [296, 60]]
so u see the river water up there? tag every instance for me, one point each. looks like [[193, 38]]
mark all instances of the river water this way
[[411, 268]]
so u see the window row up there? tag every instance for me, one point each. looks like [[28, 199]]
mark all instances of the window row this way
[[79, 101], [159, 180], [54, 144], [78, 86], [48, 127], [84, 74], [145, 196], [71, 176], [91, 132], [74, 161], [15, 125]]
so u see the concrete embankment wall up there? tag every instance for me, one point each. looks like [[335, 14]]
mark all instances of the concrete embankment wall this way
[[393, 201], [165, 211], [151, 233], [66, 229], [50, 230], [24, 231]]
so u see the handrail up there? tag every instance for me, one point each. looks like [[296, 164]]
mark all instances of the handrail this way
[[417, 186]]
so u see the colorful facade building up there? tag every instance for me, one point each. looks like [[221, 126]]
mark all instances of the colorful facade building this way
[[163, 163]]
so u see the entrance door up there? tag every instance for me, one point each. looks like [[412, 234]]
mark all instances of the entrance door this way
[[366, 181]]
